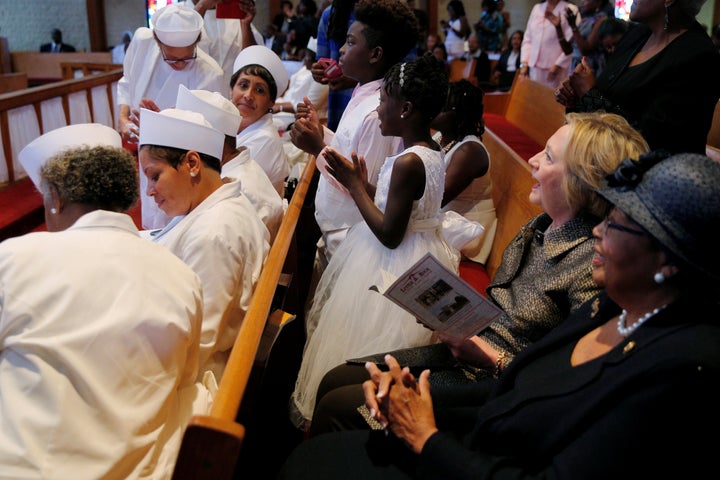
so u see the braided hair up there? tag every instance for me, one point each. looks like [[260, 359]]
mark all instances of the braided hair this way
[[466, 100], [423, 82]]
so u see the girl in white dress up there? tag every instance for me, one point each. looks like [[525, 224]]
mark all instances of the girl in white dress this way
[[401, 225]]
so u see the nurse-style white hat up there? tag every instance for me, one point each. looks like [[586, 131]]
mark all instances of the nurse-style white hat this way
[[263, 56], [222, 114], [177, 26], [181, 129], [39, 151]]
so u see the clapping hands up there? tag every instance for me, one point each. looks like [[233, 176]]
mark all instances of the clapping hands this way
[[401, 403]]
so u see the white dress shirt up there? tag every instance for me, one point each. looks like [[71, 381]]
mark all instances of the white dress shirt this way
[[256, 186]]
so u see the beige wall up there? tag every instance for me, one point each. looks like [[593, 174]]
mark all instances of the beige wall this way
[[27, 23]]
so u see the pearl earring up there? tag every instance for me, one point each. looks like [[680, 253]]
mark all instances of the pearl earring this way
[[192, 174], [659, 278], [402, 115], [53, 210]]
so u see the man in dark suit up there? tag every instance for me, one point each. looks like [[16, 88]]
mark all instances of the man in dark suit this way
[[482, 61], [57, 44]]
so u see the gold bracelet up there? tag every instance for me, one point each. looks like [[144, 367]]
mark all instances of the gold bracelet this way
[[499, 364]]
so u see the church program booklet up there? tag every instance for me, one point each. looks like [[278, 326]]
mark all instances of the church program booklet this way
[[440, 299]]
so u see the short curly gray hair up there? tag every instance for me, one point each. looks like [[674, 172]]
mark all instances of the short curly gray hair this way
[[102, 176]]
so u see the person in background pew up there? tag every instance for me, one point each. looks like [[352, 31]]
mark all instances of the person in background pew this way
[[214, 227], [664, 77], [431, 40], [624, 388], [99, 329], [301, 85], [440, 52], [259, 78], [508, 64], [545, 54], [456, 30], [57, 44], [489, 27], [401, 224], [545, 274], [468, 187], [586, 39], [236, 161], [480, 56], [610, 32], [118, 51], [156, 63]]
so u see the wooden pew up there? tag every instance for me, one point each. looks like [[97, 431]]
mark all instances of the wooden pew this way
[[512, 181], [12, 82], [211, 444], [43, 68], [531, 117], [462, 69]]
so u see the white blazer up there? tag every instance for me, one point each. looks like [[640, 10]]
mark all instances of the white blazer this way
[[99, 335], [256, 186], [266, 148], [226, 244]]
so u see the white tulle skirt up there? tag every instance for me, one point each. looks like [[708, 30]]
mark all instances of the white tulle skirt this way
[[353, 320]]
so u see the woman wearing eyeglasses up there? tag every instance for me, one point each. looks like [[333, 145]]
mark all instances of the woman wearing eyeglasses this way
[[625, 388], [157, 62]]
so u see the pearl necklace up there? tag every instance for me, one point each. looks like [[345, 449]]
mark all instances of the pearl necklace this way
[[625, 331]]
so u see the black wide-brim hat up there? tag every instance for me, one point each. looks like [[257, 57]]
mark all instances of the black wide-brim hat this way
[[676, 199]]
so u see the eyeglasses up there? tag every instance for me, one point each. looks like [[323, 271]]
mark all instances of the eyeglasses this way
[[607, 224], [186, 61]]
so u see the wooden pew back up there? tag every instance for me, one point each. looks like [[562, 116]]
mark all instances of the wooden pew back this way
[[12, 82], [42, 68], [512, 181], [533, 109]]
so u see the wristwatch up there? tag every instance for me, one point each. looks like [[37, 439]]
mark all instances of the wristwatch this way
[[523, 65]]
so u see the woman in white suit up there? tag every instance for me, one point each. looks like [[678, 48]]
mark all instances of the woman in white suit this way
[[214, 227], [99, 329]]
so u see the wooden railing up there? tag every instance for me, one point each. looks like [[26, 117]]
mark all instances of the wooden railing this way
[[212, 443], [27, 114], [72, 70]]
